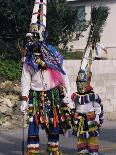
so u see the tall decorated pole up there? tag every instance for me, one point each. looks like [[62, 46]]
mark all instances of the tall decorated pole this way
[[40, 8], [38, 20]]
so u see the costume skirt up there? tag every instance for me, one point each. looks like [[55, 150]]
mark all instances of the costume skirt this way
[[49, 111], [84, 125]]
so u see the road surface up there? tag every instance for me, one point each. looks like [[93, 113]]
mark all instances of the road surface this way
[[11, 141]]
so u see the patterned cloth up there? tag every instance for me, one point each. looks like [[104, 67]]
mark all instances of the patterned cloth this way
[[47, 110], [84, 125], [86, 98], [86, 129], [88, 146], [52, 58], [48, 54]]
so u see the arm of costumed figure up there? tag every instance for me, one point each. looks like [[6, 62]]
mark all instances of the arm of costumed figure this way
[[25, 82], [25, 87], [98, 111], [67, 99]]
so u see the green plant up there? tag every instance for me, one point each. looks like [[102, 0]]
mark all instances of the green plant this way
[[99, 16], [15, 17], [72, 55], [10, 70]]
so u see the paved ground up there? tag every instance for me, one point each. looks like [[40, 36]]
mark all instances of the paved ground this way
[[11, 141]]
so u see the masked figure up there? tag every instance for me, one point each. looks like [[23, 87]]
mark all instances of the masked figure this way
[[88, 115], [44, 87]]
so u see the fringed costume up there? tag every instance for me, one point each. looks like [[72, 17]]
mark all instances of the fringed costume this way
[[88, 115], [45, 87]]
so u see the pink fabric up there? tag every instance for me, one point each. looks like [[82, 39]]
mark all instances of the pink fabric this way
[[56, 78]]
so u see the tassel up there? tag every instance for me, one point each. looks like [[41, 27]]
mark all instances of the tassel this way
[[42, 100], [47, 121], [42, 118], [35, 108], [36, 120], [55, 119], [81, 123]]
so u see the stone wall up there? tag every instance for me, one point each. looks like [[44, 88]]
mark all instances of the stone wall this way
[[103, 82]]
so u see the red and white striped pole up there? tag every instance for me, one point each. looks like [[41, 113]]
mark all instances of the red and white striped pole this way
[[39, 14]]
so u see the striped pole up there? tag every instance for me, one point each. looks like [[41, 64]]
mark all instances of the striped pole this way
[[23, 137], [39, 10]]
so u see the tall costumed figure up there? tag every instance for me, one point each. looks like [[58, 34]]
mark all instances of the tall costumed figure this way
[[45, 86], [88, 114]]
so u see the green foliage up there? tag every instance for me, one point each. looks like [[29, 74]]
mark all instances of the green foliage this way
[[15, 16], [72, 55], [10, 70], [99, 16], [64, 22], [60, 22], [81, 24]]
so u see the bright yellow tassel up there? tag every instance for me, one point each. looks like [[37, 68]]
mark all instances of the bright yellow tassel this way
[[81, 123]]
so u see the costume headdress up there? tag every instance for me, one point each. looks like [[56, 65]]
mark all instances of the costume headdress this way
[[97, 22], [37, 49], [84, 75]]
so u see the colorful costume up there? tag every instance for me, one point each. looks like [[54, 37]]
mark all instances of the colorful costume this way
[[88, 115], [45, 88]]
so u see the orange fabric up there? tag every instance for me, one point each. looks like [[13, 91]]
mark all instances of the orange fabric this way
[[91, 115], [36, 120], [55, 119], [24, 98]]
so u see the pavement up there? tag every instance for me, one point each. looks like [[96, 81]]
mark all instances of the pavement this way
[[11, 141]]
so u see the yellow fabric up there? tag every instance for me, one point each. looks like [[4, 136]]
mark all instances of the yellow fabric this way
[[30, 152], [52, 149], [90, 142], [80, 141], [81, 125]]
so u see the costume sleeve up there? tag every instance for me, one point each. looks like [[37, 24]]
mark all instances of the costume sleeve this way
[[67, 99], [25, 81], [98, 110]]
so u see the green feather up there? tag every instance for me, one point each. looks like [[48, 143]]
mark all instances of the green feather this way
[[99, 16]]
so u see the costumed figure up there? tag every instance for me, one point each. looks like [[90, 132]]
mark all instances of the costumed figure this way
[[88, 115], [44, 86]]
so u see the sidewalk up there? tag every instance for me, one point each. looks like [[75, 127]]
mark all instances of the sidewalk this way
[[11, 141]]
